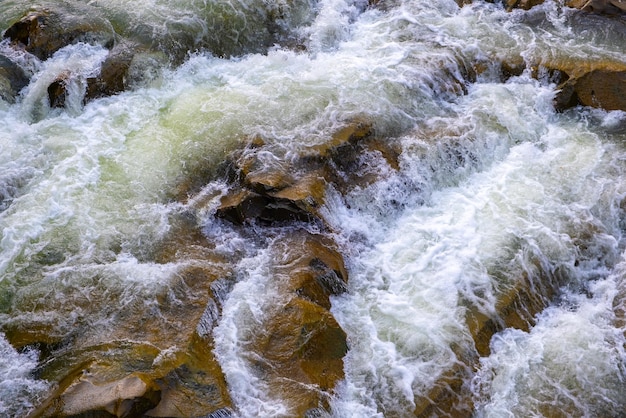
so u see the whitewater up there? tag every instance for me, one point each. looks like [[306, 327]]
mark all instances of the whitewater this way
[[494, 189]]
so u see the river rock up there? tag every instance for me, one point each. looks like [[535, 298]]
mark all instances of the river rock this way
[[601, 88], [128, 65], [608, 7], [522, 4], [303, 349], [127, 397], [57, 91], [43, 31], [302, 345], [12, 79], [273, 189]]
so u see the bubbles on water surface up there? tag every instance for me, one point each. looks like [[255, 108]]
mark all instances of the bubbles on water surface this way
[[20, 391]]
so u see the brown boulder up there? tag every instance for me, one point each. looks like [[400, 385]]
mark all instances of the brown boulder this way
[[522, 4], [302, 350], [12, 79], [608, 7], [163, 339], [57, 91], [127, 65], [303, 345], [127, 397], [600, 88], [113, 73], [270, 189], [43, 31]]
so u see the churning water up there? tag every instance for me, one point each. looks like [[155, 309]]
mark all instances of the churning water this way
[[493, 186]]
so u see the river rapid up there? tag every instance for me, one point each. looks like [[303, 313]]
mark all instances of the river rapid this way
[[493, 188]]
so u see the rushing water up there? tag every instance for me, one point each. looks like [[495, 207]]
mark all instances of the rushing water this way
[[493, 186]]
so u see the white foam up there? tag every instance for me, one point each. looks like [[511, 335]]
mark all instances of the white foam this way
[[572, 362], [20, 390]]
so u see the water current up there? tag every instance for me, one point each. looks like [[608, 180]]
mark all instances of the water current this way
[[493, 186]]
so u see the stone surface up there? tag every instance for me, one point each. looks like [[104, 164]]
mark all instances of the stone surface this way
[[43, 31], [127, 397], [12, 79], [608, 7], [127, 66], [113, 73], [522, 4], [600, 88], [270, 189]]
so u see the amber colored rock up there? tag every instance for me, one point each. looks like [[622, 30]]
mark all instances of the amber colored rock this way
[[303, 346], [196, 387], [12, 79], [113, 73], [608, 7], [164, 340], [43, 31], [522, 4], [600, 88], [128, 397], [303, 349], [272, 190], [311, 268]]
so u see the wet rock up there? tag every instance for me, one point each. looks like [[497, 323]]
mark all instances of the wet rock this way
[[522, 4], [12, 79], [195, 388], [600, 88], [608, 7], [43, 31], [57, 91], [246, 206], [127, 66], [128, 397], [162, 338], [314, 268], [270, 189], [301, 355], [517, 305], [113, 74], [303, 346]]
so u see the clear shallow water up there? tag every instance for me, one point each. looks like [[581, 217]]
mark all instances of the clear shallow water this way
[[493, 186]]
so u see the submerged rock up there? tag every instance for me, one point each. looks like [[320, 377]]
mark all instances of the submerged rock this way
[[302, 347], [43, 31], [128, 65], [12, 79]]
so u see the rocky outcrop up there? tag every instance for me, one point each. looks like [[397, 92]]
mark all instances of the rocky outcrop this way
[[270, 189], [43, 31], [127, 66], [608, 7], [600, 88], [149, 354], [12, 79], [142, 363], [303, 346]]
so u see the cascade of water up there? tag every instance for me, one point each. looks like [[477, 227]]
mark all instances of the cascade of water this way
[[492, 193]]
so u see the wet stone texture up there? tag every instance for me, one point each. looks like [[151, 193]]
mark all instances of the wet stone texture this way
[[44, 31], [12, 79], [300, 352]]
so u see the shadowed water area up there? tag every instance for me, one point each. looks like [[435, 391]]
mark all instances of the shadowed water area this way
[[312, 208]]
